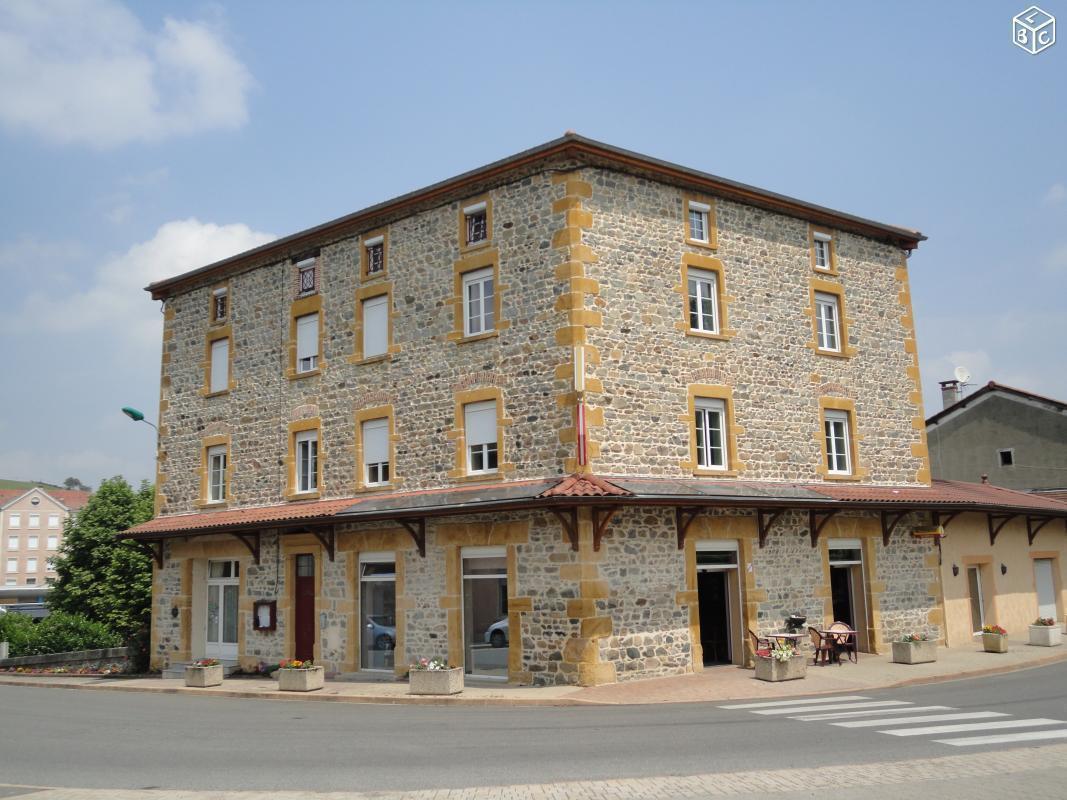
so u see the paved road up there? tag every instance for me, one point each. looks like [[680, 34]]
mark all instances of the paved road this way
[[63, 737]]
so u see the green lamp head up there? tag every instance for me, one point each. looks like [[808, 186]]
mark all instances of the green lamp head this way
[[133, 414]]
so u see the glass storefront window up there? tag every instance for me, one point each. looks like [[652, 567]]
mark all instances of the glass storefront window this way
[[485, 612], [377, 602]]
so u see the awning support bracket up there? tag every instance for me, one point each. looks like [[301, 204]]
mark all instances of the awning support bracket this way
[[327, 539], [251, 541], [417, 529], [996, 522], [765, 519], [601, 519], [943, 521], [817, 521], [890, 520], [154, 548], [683, 518], [1032, 529], [568, 518]]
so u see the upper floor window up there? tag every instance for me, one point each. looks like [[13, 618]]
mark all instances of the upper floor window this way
[[12, 543], [307, 343], [307, 461], [823, 257], [822, 251], [35, 520], [53, 542], [698, 221], [828, 321], [376, 326], [32, 543], [216, 473], [838, 444], [53, 521], [480, 431], [14, 521], [375, 435], [12, 565], [220, 365], [1006, 457], [31, 564], [703, 300], [710, 433], [306, 275], [476, 219], [478, 302], [220, 304], [375, 255]]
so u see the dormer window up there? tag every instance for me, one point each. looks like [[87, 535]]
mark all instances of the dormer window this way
[[477, 220], [307, 278], [375, 255], [220, 304]]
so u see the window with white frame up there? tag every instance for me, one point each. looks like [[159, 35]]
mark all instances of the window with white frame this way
[[53, 542], [53, 521], [479, 422], [838, 455], [710, 433], [375, 255], [828, 321], [703, 300], [375, 436], [12, 565], [220, 365], [31, 581], [306, 275], [35, 520], [307, 342], [31, 564], [478, 302], [12, 543], [698, 221], [307, 461], [476, 217], [220, 304], [14, 521], [10, 582], [376, 326], [216, 473], [50, 564], [32, 543], [823, 258]]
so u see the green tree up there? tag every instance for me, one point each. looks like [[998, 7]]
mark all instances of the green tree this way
[[99, 576]]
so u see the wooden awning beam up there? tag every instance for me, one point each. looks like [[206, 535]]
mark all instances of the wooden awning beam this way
[[568, 518], [153, 547], [890, 520], [817, 521], [683, 518], [249, 539], [327, 538], [765, 519], [996, 522], [417, 528], [943, 520], [1032, 528], [601, 519]]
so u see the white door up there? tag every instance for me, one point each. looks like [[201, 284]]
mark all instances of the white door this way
[[223, 587], [1046, 588]]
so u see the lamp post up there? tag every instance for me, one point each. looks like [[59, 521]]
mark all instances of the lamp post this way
[[137, 416]]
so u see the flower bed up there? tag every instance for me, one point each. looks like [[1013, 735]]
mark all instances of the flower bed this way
[[783, 664], [434, 676], [203, 673], [1044, 632], [915, 648], [994, 639], [300, 676]]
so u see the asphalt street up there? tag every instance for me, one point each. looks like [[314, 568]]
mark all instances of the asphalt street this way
[[93, 739]]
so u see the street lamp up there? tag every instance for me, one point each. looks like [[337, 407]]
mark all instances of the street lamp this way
[[137, 416]]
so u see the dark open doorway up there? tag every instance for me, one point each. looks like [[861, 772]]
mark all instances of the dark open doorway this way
[[714, 599], [841, 595]]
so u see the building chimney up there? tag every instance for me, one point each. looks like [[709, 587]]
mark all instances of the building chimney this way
[[951, 392], [985, 478]]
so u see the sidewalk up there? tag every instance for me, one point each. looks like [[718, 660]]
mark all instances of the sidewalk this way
[[714, 684]]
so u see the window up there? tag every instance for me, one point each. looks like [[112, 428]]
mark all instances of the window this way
[[838, 458], [710, 433], [53, 542], [377, 603], [1006, 457], [307, 461], [376, 326], [476, 223], [307, 343], [703, 300], [216, 473], [35, 520], [306, 278], [10, 582], [479, 422], [53, 521], [698, 221], [31, 581], [12, 543], [376, 452], [32, 543], [12, 565], [828, 321], [220, 304], [375, 255], [822, 251], [478, 302], [31, 564], [14, 521], [220, 366]]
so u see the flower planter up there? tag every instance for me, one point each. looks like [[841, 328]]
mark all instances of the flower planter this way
[[915, 652], [435, 681], [1045, 635], [770, 669], [301, 680], [995, 642], [201, 677]]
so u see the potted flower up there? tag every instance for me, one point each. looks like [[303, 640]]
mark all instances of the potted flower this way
[[915, 648], [1044, 632], [300, 676], [204, 672], [783, 664], [434, 676], [994, 639]]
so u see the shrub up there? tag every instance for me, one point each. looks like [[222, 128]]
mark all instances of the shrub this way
[[56, 633], [16, 630]]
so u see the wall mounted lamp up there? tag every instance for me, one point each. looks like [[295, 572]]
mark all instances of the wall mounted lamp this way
[[1003, 569], [955, 570]]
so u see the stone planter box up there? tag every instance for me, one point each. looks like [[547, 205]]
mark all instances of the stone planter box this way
[[914, 652], [1046, 635], [995, 643], [435, 681], [301, 680], [768, 669], [202, 677]]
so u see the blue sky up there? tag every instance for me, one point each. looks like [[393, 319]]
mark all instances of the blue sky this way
[[137, 141]]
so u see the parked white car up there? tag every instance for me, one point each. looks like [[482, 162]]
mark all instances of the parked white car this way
[[497, 633]]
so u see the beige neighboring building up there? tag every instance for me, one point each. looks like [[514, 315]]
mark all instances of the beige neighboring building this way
[[31, 530]]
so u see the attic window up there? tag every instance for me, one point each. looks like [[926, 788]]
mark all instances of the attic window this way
[[1006, 457], [306, 271]]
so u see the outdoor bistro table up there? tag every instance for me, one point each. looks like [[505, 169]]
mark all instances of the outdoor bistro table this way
[[842, 639], [792, 639]]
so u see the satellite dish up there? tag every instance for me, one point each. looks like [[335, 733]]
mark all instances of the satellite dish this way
[[962, 375]]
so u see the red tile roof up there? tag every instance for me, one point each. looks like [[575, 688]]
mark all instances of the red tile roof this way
[[956, 493], [71, 498], [584, 486], [1055, 494], [243, 517]]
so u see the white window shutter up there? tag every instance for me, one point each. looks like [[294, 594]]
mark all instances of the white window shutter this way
[[220, 365], [375, 441], [480, 422], [375, 326], [307, 336]]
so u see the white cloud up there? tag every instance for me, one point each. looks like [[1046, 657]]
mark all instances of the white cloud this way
[[1056, 261], [88, 72], [1056, 194]]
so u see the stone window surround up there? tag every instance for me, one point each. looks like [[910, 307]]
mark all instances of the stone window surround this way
[[214, 335], [712, 241], [368, 239], [291, 493], [818, 286], [707, 264], [858, 472], [734, 466], [365, 415], [464, 246], [457, 434], [206, 444], [825, 234], [311, 304], [364, 293], [488, 258]]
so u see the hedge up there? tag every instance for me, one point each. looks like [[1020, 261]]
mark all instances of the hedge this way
[[56, 633]]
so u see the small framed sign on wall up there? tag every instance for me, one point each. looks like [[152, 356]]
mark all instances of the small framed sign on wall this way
[[265, 615]]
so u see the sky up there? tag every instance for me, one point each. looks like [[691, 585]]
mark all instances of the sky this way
[[138, 141]]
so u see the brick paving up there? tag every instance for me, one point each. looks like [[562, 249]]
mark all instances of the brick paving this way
[[1036, 772]]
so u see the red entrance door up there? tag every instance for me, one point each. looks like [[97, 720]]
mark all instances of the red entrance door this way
[[304, 607]]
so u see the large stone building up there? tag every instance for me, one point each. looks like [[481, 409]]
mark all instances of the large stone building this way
[[31, 531], [576, 416]]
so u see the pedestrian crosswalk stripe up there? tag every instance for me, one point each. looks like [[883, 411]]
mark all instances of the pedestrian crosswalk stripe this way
[[874, 723], [834, 707], [869, 713], [1005, 738], [804, 702], [976, 726]]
